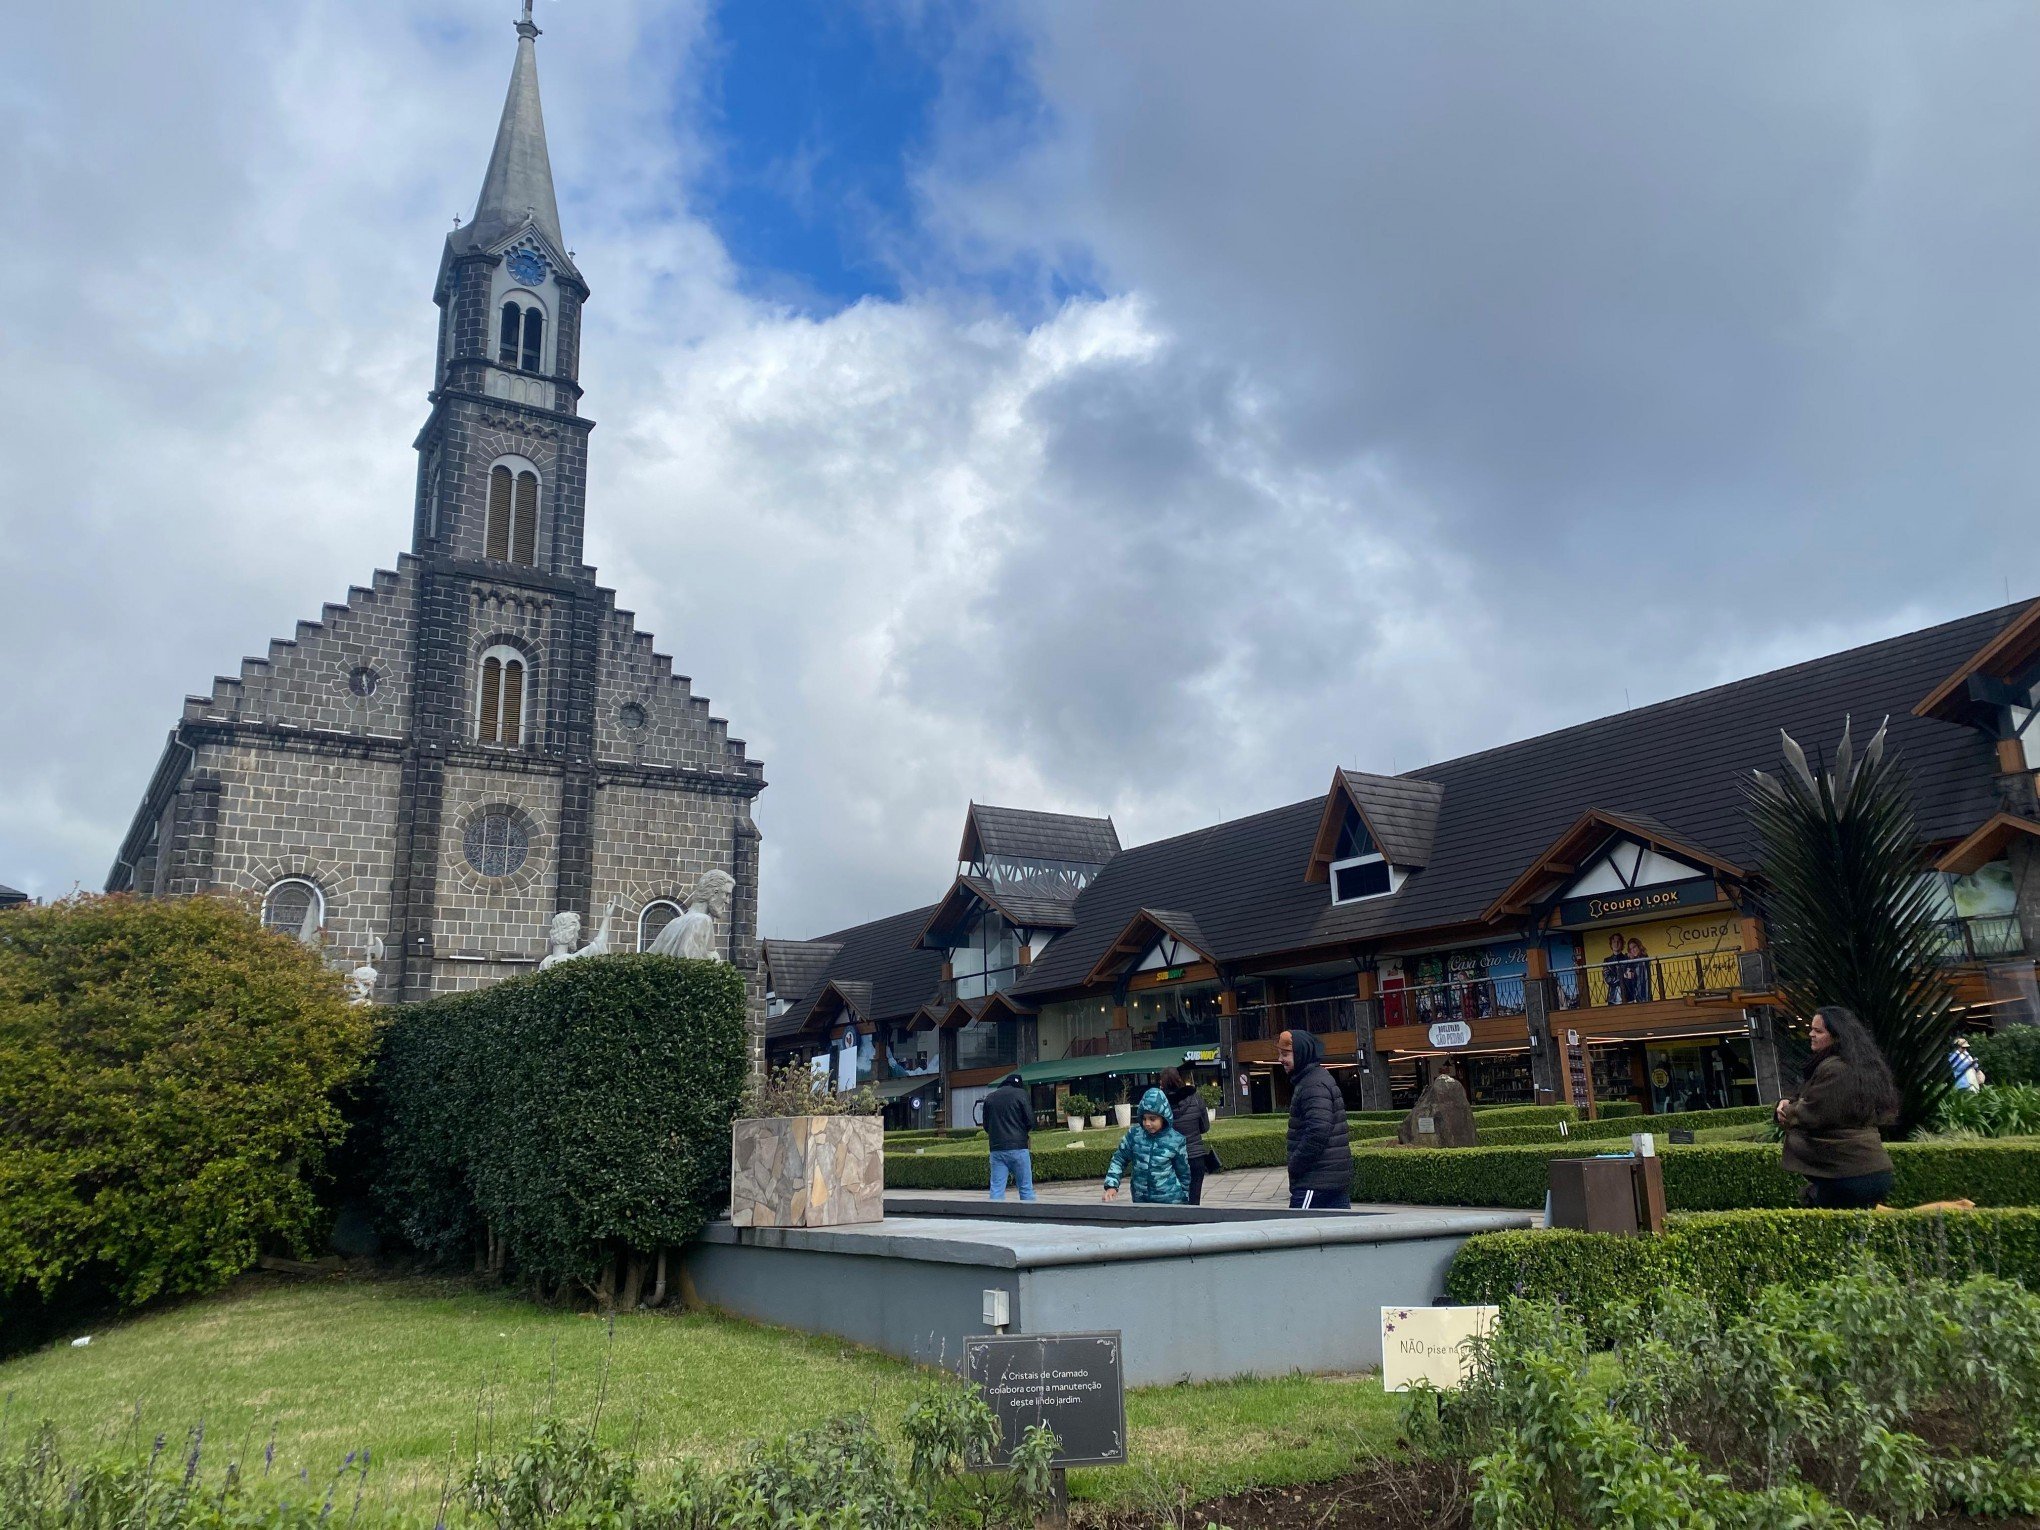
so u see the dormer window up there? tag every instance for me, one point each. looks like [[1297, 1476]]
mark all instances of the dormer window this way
[[1359, 869]]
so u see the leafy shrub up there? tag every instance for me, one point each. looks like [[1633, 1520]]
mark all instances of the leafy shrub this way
[[1996, 1110], [839, 1475], [795, 1089], [559, 1122], [167, 1079], [1805, 1409], [1620, 1128], [1726, 1256], [2010, 1056], [1616, 1110], [1717, 1176]]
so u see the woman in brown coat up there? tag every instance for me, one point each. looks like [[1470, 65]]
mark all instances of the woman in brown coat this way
[[1831, 1123]]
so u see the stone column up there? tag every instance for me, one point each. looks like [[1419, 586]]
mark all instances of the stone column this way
[[1764, 1058], [1547, 1063], [1366, 1020], [194, 837]]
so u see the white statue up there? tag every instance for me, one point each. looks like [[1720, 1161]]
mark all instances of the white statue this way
[[566, 929], [362, 980], [693, 933]]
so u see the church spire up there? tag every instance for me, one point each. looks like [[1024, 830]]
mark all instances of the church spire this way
[[519, 185]]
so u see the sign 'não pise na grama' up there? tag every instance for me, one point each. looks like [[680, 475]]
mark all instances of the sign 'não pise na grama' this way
[[1072, 1382]]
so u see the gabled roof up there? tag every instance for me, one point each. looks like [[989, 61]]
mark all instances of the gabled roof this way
[[794, 967], [1142, 931], [12, 895], [1028, 835], [839, 999], [882, 953], [1028, 910], [1572, 850], [1681, 762], [1401, 813], [2011, 652], [1987, 844], [961, 1012]]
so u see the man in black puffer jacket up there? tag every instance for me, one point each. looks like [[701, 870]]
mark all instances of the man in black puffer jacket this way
[[1320, 1154]]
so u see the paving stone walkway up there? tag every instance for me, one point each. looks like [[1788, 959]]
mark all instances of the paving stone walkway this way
[[1234, 1187]]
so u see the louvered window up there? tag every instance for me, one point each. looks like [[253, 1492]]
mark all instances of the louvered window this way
[[499, 702], [513, 329], [512, 530], [534, 338]]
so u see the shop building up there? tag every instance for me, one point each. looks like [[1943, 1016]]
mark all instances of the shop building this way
[[1572, 917]]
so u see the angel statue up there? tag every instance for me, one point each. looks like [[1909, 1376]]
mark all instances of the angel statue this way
[[362, 980], [566, 929], [693, 933]]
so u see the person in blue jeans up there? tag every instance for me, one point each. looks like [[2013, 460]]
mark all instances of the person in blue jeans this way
[[1009, 1118]]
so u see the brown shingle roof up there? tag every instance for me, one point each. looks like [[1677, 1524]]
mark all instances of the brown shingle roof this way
[[1029, 835]]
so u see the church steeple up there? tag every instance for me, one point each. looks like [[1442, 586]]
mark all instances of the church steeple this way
[[519, 186]]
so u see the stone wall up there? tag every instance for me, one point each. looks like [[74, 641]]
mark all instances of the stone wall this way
[[289, 809], [486, 928]]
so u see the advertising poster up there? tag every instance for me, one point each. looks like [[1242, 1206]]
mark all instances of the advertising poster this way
[[1638, 963], [1472, 983]]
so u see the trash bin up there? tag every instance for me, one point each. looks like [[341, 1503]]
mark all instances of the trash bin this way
[[1621, 1193]]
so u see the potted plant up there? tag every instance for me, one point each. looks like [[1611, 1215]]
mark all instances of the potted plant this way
[[1077, 1108], [1212, 1096], [802, 1155], [1123, 1112]]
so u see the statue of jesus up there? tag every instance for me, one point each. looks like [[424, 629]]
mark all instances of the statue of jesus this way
[[693, 933]]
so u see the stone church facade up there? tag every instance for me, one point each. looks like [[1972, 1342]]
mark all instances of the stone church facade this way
[[480, 738]]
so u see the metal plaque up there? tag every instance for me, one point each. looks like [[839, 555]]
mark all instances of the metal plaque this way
[[1072, 1382]]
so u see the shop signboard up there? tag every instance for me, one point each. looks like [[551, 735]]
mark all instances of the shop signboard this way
[[1661, 959], [1469, 983], [1073, 1382], [1633, 903], [1451, 1033]]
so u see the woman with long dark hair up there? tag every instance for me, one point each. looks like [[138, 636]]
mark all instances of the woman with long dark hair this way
[[1192, 1120], [1831, 1135]]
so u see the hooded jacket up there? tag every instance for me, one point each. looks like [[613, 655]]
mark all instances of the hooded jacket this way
[[1320, 1153], [1159, 1165], [1009, 1116]]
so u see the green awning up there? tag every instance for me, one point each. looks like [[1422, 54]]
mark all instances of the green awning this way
[[1151, 1061]]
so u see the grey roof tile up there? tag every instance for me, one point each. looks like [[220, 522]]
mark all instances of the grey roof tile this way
[[1026, 834]]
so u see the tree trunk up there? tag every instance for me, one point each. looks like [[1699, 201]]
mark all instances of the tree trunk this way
[[605, 1293], [633, 1282]]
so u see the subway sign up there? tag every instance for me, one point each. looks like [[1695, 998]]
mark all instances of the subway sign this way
[[1633, 903]]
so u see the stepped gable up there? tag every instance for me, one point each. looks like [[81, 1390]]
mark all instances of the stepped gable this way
[[347, 672], [670, 726]]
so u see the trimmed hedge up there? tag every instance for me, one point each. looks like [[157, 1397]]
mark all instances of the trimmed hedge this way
[[564, 1117], [1720, 1176], [1615, 1110], [1082, 1157], [1727, 1256], [1620, 1128]]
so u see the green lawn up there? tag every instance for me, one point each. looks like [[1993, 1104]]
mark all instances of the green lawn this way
[[417, 1371]]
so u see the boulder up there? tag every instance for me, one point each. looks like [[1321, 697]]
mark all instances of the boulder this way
[[1442, 1117]]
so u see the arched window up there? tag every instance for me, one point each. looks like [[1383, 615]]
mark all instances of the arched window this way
[[296, 907], [499, 699], [655, 918], [512, 530], [520, 340]]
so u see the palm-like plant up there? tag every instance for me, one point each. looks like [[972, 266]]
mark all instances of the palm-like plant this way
[[1852, 919]]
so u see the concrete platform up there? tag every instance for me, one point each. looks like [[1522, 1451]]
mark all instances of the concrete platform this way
[[1199, 1293]]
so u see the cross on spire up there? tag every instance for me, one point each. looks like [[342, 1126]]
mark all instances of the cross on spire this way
[[526, 27]]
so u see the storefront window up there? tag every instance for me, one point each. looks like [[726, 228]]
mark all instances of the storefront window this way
[[987, 1044], [1074, 1028], [1186, 1015]]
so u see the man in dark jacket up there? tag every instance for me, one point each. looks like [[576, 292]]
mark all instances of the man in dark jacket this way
[[1320, 1154], [1009, 1117]]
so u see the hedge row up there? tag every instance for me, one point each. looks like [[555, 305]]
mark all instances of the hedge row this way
[[1082, 1157], [1728, 1256], [1620, 1128], [1721, 1176]]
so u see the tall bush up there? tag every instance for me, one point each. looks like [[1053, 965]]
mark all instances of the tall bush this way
[[568, 1125], [1853, 920], [2012, 1056], [167, 1078]]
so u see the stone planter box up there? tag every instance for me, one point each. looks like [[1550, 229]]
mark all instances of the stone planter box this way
[[807, 1171]]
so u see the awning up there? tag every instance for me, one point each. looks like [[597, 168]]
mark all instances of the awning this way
[[1151, 1061], [895, 1088]]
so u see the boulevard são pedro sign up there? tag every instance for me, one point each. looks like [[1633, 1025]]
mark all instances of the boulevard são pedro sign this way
[[1072, 1382]]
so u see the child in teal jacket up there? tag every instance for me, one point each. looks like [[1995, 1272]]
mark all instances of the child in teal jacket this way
[[1155, 1153]]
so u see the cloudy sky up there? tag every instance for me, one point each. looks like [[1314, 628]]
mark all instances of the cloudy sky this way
[[1135, 407]]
